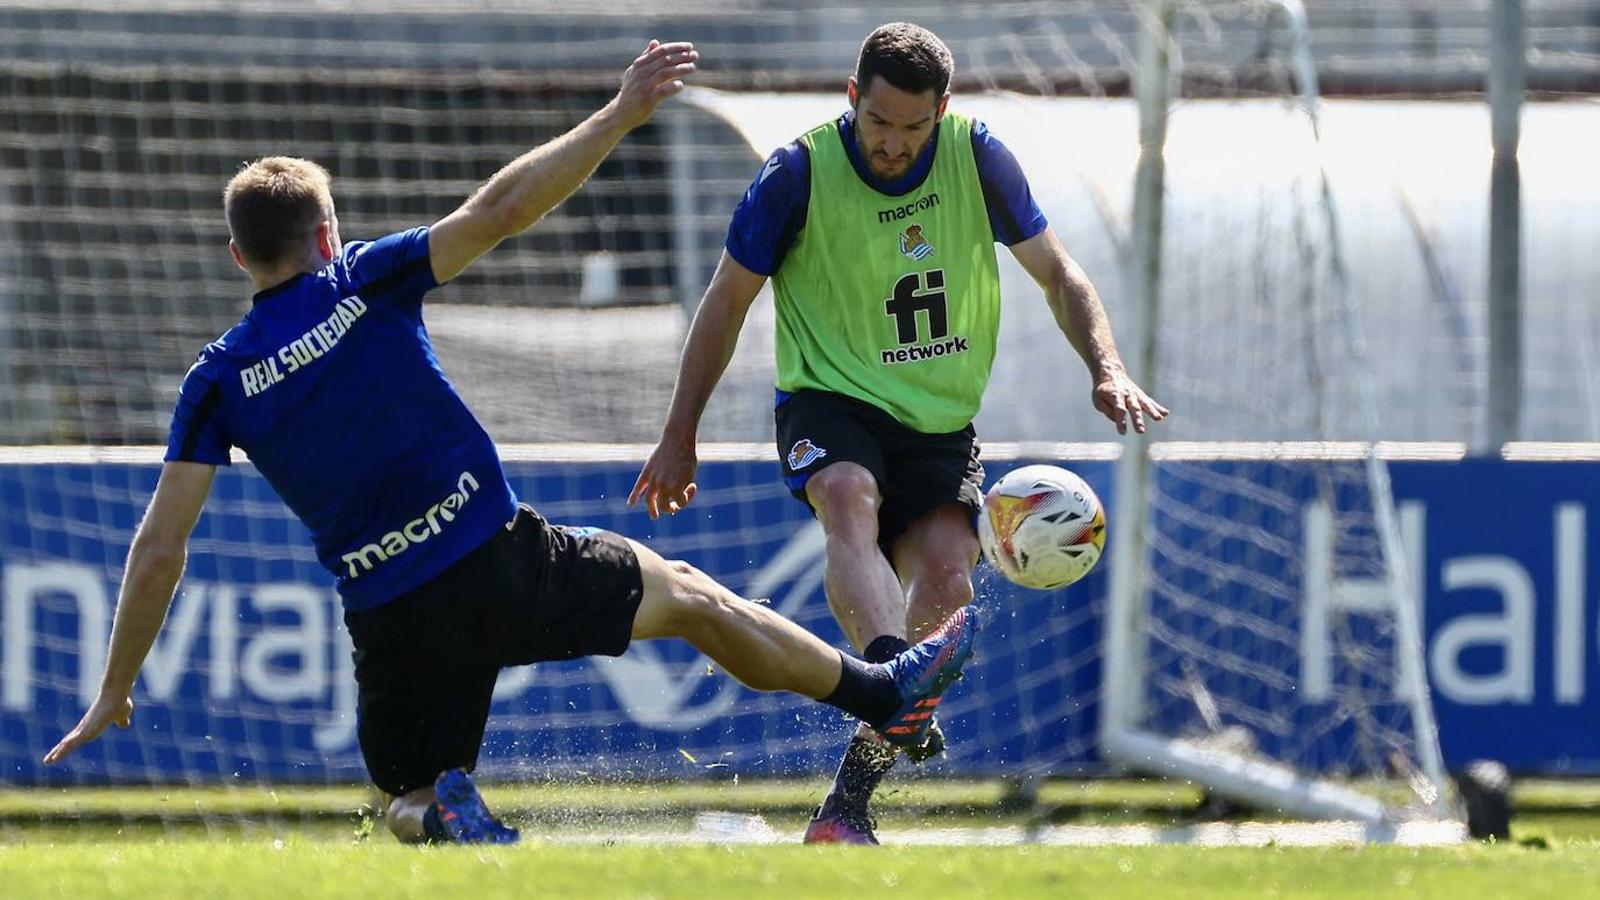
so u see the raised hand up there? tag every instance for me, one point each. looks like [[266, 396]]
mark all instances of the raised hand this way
[[654, 76]]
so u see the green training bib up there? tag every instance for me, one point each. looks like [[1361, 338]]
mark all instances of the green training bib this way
[[894, 300]]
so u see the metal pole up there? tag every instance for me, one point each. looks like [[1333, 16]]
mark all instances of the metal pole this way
[[686, 279], [1125, 638], [15, 426], [1507, 81]]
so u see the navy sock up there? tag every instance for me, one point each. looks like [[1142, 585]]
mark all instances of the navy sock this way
[[865, 691], [884, 648], [432, 827], [866, 760]]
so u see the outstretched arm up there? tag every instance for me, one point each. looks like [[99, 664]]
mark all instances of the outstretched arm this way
[[1082, 319], [155, 563], [667, 481], [532, 184]]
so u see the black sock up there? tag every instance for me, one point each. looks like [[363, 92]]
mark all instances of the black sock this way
[[866, 761], [433, 829], [884, 648], [865, 691]]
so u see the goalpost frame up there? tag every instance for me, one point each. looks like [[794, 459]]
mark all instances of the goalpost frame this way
[[1256, 782], [1120, 696]]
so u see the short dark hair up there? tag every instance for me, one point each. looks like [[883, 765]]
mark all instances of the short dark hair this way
[[273, 205], [908, 56]]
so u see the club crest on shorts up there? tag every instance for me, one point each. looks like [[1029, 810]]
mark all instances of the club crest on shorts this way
[[803, 454], [914, 245]]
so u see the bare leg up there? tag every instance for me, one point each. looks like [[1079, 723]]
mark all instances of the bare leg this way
[[935, 558], [752, 643], [762, 649], [862, 589], [404, 814]]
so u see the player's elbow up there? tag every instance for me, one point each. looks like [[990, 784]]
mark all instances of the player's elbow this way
[[157, 553], [494, 222]]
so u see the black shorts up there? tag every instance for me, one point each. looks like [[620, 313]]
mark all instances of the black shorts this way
[[426, 662], [916, 472]]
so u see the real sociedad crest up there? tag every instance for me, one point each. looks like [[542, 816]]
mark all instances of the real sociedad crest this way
[[914, 245], [803, 454]]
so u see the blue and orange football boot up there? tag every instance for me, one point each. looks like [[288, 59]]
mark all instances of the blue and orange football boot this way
[[838, 825], [462, 813], [923, 672], [929, 748]]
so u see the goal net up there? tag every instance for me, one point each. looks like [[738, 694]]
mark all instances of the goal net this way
[[1263, 638], [120, 123]]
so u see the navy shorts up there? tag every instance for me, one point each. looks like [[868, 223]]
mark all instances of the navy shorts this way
[[426, 662], [916, 472]]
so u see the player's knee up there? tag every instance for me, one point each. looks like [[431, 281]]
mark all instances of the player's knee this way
[[846, 498], [698, 618], [693, 601]]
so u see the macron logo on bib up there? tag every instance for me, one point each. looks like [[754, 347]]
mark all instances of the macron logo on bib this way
[[413, 532]]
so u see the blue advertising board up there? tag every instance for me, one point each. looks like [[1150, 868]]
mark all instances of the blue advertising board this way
[[251, 678], [1510, 610]]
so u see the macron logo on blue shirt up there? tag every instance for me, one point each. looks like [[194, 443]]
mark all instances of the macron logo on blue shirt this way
[[414, 532]]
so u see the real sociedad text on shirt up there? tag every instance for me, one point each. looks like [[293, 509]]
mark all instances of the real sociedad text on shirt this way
[[302, 350]]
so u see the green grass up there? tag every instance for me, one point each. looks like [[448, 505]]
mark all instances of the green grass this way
[[168, 802], [1140, 797], [311, 869], [310, 843]]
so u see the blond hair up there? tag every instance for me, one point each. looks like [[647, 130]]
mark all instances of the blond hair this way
[[273, 206]]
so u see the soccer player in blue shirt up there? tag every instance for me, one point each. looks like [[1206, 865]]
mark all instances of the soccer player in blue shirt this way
[[878, 228], [330, 385]]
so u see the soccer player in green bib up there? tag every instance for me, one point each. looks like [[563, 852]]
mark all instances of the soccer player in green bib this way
[[878, 232]]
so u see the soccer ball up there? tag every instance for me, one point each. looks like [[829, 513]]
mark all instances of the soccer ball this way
[[1042, 527]]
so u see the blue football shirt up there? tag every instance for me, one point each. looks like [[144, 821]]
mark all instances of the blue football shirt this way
[[330, 385]]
